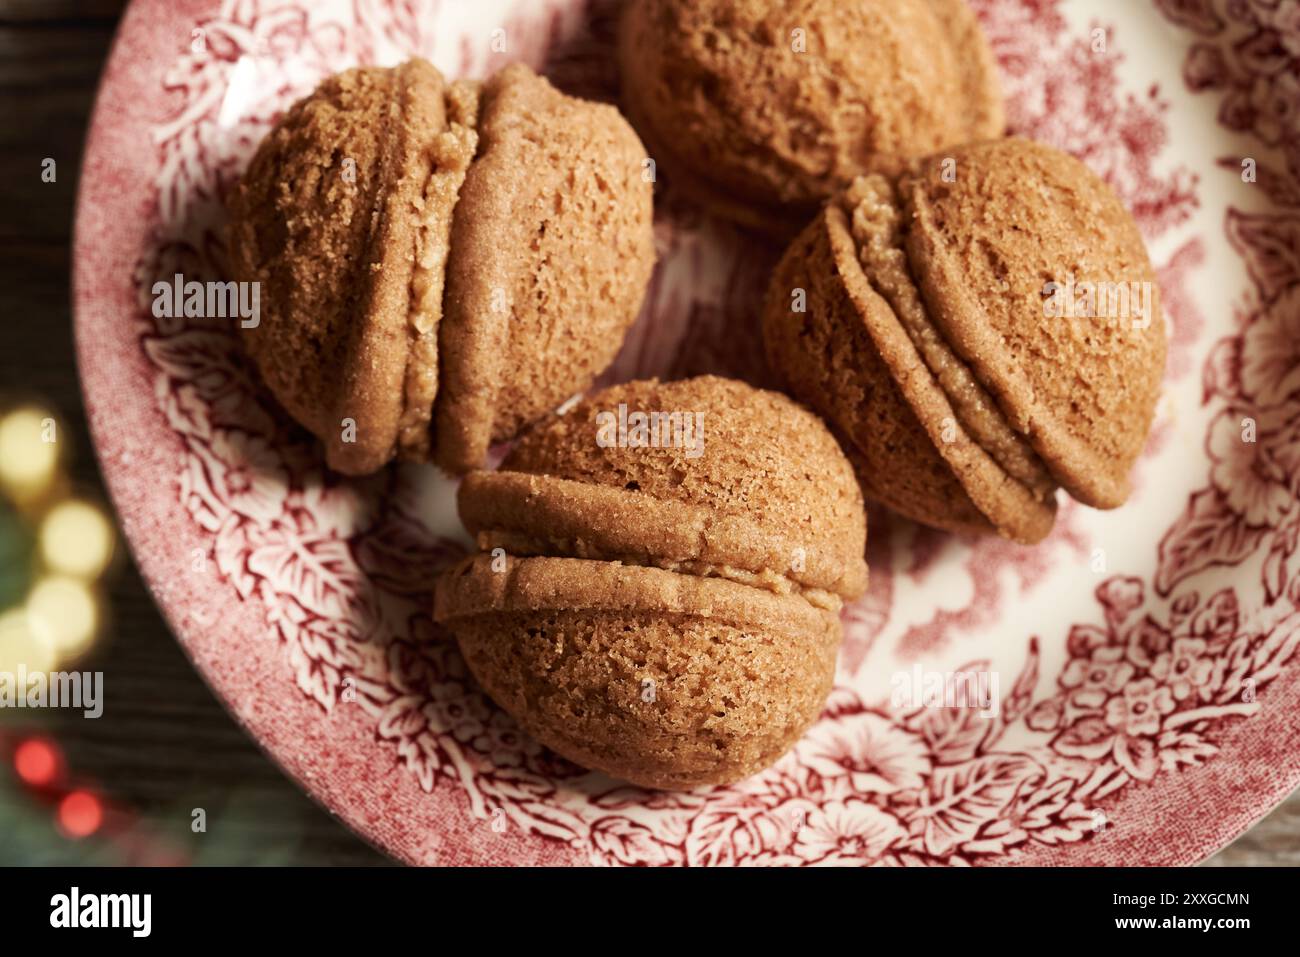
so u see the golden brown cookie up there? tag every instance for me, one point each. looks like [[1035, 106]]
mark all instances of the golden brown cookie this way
[[830, 354], [1019, 217], [761, 109], [552, 250], [324, 219], [934, 373], [666, 613], [438, 258], [661, 679]]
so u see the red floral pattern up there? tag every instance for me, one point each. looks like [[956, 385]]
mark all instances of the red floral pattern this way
[[1250, 53], [343, 569]]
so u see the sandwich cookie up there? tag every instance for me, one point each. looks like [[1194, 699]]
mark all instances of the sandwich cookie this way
[[440, 262], [762, 110], [978, 330], [662, 609]]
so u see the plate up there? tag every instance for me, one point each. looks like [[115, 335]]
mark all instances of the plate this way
[[1145, 659]]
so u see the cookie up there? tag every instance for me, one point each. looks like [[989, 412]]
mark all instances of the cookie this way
[[552, 250], [1018, 218], [907, 314], [762, 110], [440, 263], [325, 219], [664, 610]]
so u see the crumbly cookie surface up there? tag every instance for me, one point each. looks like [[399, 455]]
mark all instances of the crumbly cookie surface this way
[[767, 109], [552, 248]]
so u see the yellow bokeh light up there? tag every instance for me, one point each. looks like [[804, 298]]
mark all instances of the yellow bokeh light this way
[[22, 645], [64, 612], [76, 539], [29, 452]]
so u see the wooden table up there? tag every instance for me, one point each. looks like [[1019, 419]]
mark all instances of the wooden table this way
[[165, 746]]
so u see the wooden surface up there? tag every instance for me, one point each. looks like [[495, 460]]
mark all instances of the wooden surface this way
[[164, 746]]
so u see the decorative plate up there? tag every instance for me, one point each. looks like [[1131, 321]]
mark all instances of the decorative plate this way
[[1146, 658]]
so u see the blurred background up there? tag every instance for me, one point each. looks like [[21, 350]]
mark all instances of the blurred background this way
[[125, 788]]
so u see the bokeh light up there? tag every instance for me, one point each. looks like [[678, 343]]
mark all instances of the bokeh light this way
[[76, 539], [80, 814], [53, 550], [37, 762], [20, 644], [63, 611], [28, 456]]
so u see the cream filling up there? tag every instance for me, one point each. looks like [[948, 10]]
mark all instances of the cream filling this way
[[450, 157], [770, 581], [877, 232]]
